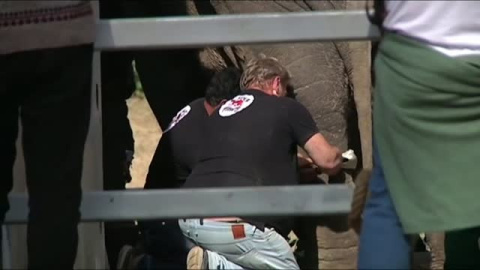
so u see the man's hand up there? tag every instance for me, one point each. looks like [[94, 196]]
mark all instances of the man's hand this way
[[336, 164], [324, 155], [304, 161]]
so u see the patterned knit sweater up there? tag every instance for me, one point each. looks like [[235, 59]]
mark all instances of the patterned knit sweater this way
[[30, 25]]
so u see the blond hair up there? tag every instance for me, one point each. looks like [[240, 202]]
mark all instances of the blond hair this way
[[262, 70]]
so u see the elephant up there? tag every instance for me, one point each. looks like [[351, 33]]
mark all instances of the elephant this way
[[331, 79]]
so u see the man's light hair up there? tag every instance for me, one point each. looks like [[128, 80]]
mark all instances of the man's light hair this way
[[260, 71]]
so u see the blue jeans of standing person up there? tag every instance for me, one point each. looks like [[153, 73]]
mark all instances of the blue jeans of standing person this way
[[254, 249], [383, 243]]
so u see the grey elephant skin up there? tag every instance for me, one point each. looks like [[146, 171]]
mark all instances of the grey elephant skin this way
[[332, 79]]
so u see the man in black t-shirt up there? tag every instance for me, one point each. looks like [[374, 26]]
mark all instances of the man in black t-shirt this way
[[251, 141], [177, 154], [178, 148]]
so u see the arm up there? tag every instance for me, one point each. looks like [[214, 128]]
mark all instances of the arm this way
[[308, 137], [324, 155]]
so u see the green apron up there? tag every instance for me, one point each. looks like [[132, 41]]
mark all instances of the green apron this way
[[427, 129]]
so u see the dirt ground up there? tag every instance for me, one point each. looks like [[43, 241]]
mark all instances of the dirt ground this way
[[146, 133]]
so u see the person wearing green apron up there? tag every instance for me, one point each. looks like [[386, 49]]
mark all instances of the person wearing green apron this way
[[427, 134]]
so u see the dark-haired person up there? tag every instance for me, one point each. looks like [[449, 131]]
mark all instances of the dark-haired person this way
[[177, 154], [426, 131], [182, 138]]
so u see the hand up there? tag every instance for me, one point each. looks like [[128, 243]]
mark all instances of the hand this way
[[304, 162], [325, 155], [336, 163]]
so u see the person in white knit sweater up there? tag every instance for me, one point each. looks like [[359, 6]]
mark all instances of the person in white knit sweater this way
[[46, 50]]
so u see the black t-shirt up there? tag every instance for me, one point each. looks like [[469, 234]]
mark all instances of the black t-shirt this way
[[251, 141], [180, 143]]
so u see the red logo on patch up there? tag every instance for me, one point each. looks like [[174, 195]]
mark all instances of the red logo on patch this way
[[236, 105]]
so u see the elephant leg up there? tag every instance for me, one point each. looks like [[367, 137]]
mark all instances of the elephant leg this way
[[170, 79], [437, 253], [117, 139], [324, 83]]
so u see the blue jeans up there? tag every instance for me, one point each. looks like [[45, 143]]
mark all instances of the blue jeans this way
[[253, 249], [383, 244]]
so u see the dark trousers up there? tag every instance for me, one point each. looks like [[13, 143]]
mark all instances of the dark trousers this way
[[50, 91]]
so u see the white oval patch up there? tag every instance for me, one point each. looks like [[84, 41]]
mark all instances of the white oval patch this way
[[235, 105], [180, 115]]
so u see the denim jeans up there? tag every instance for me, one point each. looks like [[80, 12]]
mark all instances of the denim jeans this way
[[252, 250], [383, 244]]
